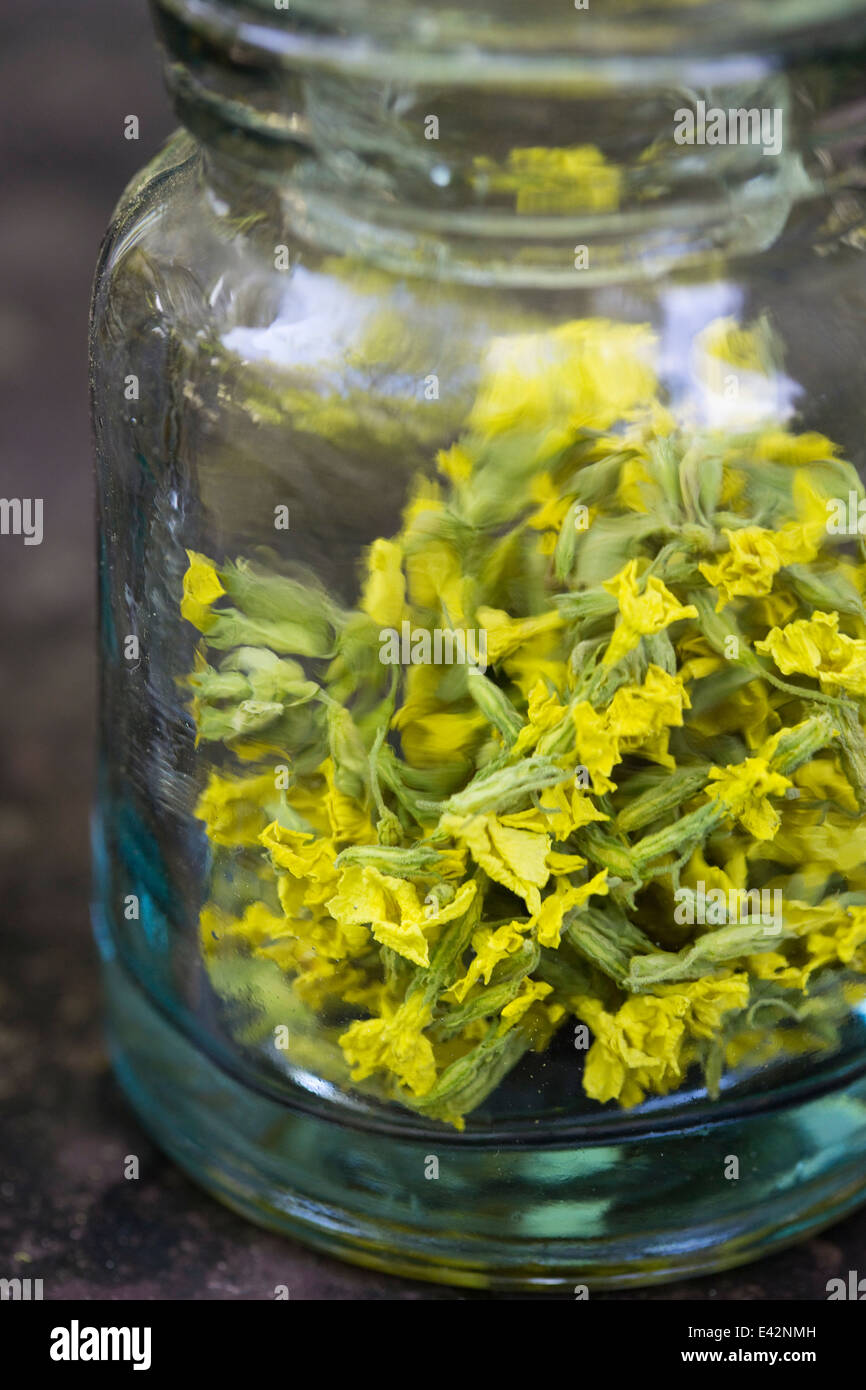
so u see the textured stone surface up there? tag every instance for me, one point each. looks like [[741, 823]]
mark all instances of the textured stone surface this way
[[66, 1213]]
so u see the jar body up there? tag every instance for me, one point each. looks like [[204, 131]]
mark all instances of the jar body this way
[[478, 829]]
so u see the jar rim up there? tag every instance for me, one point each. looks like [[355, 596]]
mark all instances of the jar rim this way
[[332, 109], [506, 41]]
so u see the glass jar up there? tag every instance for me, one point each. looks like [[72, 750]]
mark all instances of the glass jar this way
[[479, 413]]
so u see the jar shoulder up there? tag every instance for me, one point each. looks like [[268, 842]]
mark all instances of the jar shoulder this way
[[148, 204]]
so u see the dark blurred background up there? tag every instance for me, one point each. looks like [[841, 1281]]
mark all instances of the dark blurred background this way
[[69, 75]]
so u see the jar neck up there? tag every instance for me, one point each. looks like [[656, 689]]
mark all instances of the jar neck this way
[[518, 142]]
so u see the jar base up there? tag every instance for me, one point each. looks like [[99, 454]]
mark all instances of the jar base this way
[[681, 1201]]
